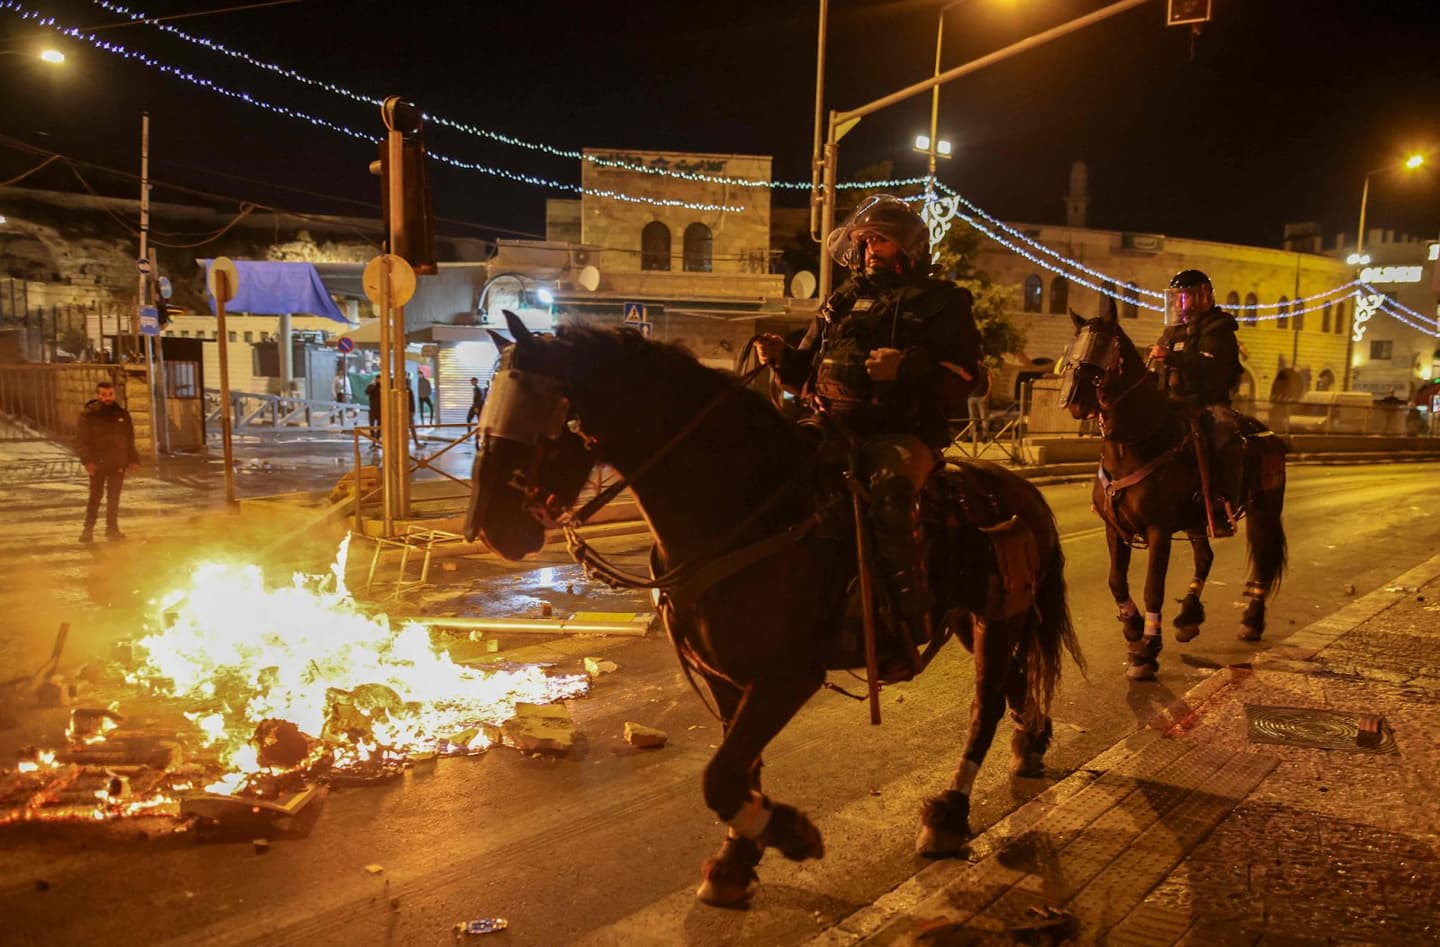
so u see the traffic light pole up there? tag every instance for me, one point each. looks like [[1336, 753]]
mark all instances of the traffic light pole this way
[[399, 392], [842, 122]]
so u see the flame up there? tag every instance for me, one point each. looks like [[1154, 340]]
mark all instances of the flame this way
[[306, 654]]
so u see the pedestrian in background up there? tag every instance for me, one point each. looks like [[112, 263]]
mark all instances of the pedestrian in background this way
[[106, 444], [372, 394], [477, 404], [342, 387], [423, 384]]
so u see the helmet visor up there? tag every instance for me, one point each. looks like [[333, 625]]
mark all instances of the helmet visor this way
[[1183, 303]]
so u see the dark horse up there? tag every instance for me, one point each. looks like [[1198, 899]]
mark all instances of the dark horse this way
[[1148, 488], [751, 571]]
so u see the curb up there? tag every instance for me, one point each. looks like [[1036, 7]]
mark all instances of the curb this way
[[1299, 647]]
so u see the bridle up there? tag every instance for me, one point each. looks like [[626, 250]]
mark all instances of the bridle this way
[[532, 409], [1100, 351]]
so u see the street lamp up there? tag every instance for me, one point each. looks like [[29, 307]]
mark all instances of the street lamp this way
[[542, 293], [931, 145], [1359, 258], [52, 56]]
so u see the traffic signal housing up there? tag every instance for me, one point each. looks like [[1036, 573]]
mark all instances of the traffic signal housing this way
[[414, 239]]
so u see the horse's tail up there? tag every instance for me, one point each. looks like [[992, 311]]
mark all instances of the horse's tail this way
[[1265, 527], [1052, 634]]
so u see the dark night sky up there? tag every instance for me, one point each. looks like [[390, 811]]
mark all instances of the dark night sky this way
[[1282, 109]]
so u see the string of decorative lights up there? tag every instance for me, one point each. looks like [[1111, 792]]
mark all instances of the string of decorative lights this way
[[337, 89], [249, 99], [1372, 290], [1343, 289]]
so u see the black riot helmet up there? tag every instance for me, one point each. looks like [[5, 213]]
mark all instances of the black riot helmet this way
[[887, 217], [1188, 295]]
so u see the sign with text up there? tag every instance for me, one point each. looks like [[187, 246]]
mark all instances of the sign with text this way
[[149, 320]]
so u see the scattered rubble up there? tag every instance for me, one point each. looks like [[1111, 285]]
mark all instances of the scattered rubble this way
[[484, 925], [644, 738], [596, 666], [540, 728]]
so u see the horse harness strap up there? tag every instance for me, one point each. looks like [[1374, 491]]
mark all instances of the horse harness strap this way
[[579, 517], [1113, 487]]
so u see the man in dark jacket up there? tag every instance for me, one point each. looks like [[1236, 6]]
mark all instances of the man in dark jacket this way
[[874, 362], [477, 404], [106, 444], [1197, 359]]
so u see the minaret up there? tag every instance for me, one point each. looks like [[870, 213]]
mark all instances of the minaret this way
[[1078, 200]]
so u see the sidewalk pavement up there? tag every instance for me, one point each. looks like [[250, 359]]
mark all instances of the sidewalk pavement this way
[[1246, 813]]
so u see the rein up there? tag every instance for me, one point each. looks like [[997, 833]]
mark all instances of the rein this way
[[713, 564]]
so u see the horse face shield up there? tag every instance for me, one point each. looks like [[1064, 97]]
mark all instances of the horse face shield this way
[[523, 410], [1092, 353]]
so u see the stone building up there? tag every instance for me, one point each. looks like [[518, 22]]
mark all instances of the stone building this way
[[1392, 356]]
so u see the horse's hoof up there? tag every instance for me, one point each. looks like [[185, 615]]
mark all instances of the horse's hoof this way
[[1029, 766], [944, 826], [793, 833], [1248, 633], [1141, 672], [1184, 633], [728, 877]]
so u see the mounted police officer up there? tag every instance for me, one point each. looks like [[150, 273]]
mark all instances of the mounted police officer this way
[[1197, 360], [873, 362]]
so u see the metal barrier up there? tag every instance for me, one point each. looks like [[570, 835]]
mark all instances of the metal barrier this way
[[43, 402], [255, 413]]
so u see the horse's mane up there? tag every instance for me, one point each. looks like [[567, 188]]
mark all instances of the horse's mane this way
[[675, 367]]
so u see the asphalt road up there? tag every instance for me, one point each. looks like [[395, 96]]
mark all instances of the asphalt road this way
[[605, 845]]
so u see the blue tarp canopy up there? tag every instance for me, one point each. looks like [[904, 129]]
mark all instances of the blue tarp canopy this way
[[274, 288]]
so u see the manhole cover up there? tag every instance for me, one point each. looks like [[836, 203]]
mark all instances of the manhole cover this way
[[1322, 729]]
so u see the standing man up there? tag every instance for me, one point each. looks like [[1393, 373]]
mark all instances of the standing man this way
[[372, 396], [1197, 359], [106, 444], [873, 363], [423, 383], [477, 404]]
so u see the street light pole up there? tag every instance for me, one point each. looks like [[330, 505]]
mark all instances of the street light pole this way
[[935, 102], [1360, 233], [842, 122]]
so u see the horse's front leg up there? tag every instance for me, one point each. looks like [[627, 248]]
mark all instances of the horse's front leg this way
[[1132, 623], [1192, 613], [728, 877], [1145, 653], [731, 788], [945, 823]]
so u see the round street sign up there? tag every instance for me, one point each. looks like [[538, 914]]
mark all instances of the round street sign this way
[[223, 279], [162, 286], [346, 345], [143, 265], [402, 279]]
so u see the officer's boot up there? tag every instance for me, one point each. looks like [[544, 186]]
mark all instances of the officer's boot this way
[[895, 515]]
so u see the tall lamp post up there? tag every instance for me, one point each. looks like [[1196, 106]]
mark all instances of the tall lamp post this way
[[932, 144], [1359, 257]]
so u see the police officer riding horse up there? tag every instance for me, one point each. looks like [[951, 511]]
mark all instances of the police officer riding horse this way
[[1197, 362], [872, 366]]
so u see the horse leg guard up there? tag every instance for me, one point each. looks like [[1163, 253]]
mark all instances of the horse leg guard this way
[[1133, 626], [1252, 623], [1144, 658], [944, 825], [1191, 617], [791, 831], [728, 877], [1027, 751]]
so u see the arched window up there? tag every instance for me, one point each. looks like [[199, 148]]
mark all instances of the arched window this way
[[1284, 321], [1325, 318], [1251, 300], [1034, 289], [1060, 295], [1107, 291], [1130, 309], [698, 243], [1297, 311], [1340, 317], [1232, 300], [655, 246]]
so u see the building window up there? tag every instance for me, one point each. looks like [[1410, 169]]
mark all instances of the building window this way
[[1232, 301], [1340, 317], [1284, 321], [1381, 350], [1034, 289], [1251, 301], [231, 335], [1131, 307], [698, 244], [1107, 291], [1325, 318], [655, 246], [1298, 312], [249, 337], [1060, 295]]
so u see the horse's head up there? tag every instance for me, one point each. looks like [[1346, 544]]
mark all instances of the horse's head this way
[[1099, 366], [530, 465]]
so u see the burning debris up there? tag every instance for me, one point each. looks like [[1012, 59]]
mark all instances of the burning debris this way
[[287, 691]]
